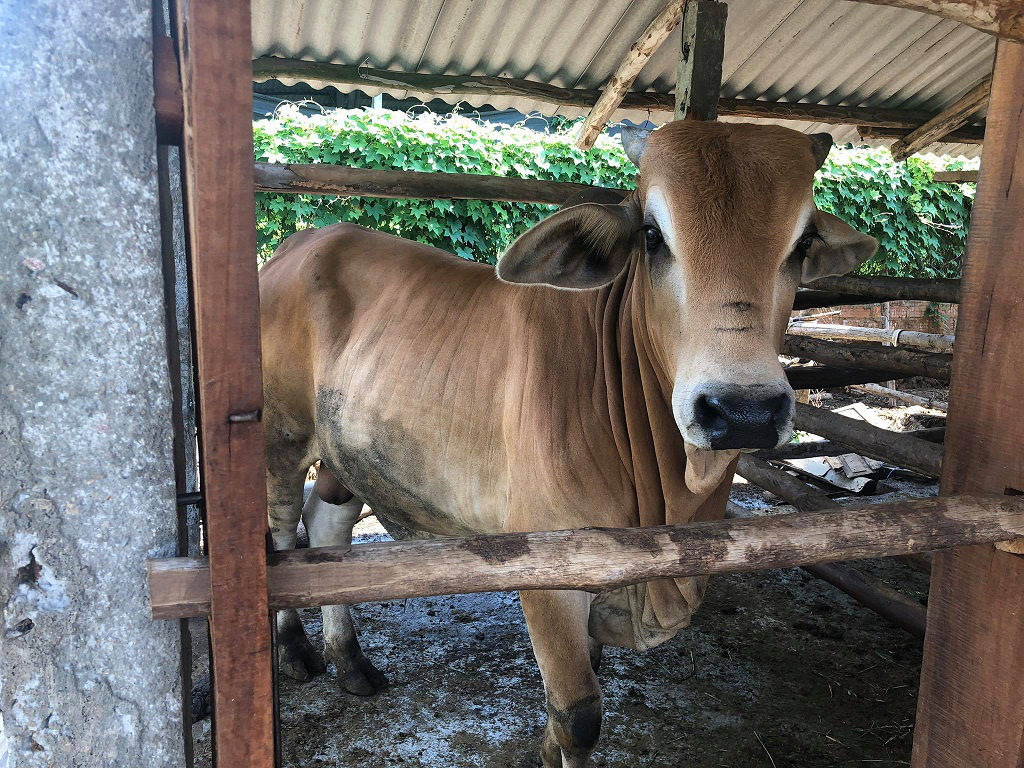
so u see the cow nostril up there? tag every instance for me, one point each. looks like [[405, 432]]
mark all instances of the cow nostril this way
[[779, 408], [709, 414]]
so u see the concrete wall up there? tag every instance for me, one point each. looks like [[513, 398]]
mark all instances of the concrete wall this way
[[86, 480]]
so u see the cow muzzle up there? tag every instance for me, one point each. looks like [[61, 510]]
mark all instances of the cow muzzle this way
[[723, 417]]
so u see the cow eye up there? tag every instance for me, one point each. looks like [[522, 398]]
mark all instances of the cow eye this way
[[803, 245], [653, 238]]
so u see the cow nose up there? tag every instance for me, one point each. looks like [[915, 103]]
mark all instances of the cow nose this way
[[743, 419]]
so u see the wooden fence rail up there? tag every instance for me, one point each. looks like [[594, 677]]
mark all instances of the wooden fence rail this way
[[892, 447], [598, 559], [934, 365]]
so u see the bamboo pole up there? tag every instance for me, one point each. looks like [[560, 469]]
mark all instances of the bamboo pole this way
[[929, 342]]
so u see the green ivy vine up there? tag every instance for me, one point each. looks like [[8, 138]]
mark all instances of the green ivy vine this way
[[921, 225]]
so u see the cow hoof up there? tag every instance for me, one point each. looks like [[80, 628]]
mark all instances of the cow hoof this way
[[299, 660], [363, 679]]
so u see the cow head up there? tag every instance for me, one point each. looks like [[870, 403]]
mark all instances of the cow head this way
[[722, 229]]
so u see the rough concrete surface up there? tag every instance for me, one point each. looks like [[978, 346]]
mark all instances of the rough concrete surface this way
[[86, 480]]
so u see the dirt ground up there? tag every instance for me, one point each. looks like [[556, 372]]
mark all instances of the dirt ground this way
[[778, 670]]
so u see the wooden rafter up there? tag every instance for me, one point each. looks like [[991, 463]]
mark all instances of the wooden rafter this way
[[954, 116], [636, 59], [1003, 18]]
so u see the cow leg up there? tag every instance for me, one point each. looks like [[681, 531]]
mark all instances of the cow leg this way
[[557, 621], [329, 514], [296, 656]]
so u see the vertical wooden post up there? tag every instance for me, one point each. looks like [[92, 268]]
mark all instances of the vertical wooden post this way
[[699, 77], [215, 51], [971, 705]]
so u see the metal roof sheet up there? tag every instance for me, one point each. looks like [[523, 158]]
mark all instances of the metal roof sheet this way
[[818, 51]]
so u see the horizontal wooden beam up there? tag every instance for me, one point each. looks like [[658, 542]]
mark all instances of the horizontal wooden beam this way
[[446, 86], [322, 179], [830, 377], [929, 342], [807, 298], [956, 177], [1003, 18], [813, 449], [636, 58], [892, 288], [882, 444], [905, 362], [971, 134], [954, 116], [597, 559]]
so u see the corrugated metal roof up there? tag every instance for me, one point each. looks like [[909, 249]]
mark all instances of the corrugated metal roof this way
[[816, 51]]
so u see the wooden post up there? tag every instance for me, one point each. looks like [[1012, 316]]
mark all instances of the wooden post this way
[[215, 44], [699, 77], [971, 701]]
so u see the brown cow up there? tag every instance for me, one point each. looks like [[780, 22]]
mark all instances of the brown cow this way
[[607, 373]]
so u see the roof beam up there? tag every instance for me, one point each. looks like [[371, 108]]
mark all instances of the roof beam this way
[[954, 116], [636, 59], [699, 76], [1002, 18], [447, 86], [971, 134]]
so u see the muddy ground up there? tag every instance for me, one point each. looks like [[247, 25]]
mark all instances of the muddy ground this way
[[779, 670]]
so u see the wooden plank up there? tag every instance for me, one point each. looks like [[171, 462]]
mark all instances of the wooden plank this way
[[954, 116], [597, 559], [699, 74], [882, 444], [215, 43], [892, 288], [631, 65], [930, 342], [1004, 18], [956, 177], [167, 99], [971, 705], [322, 179], [907, 362], [970, 134], [447, 86]]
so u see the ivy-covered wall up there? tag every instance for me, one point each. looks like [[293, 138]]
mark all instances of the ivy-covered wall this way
[[921, 225]]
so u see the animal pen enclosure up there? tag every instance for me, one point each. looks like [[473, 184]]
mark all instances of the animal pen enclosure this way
[[970, 711]]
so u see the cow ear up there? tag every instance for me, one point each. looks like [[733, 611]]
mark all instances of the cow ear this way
[[581, 247], [840, 249]]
